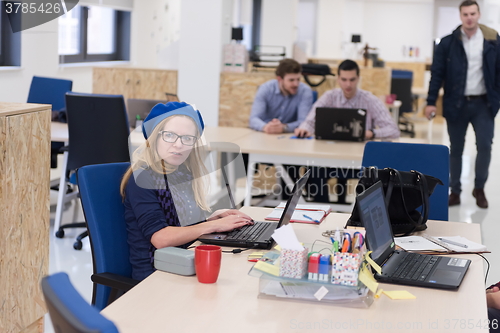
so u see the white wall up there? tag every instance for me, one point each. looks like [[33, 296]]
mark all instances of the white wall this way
[[329, 28], [278, 24], [205, 28]]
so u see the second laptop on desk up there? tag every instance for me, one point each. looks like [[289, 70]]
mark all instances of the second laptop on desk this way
[[401, 267], [259, 234]]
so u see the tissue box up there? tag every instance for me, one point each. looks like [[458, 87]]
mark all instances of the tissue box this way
[[175, 260], [293, 263], [345, 268]]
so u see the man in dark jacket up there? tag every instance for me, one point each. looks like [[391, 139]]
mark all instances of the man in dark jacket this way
[[467, 65]]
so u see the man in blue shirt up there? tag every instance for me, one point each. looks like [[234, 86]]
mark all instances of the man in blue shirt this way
[[281, 104]]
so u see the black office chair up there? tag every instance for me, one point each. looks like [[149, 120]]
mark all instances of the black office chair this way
[[98, 133], [401, 83]]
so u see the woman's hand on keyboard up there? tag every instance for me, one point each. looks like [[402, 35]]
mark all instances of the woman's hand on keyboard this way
[[218, 214], [229, 222]]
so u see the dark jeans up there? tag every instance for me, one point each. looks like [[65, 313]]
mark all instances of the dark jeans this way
[[475, 112]]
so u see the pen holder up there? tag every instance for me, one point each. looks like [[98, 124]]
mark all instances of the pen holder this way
[[293, 263], [345, 268]]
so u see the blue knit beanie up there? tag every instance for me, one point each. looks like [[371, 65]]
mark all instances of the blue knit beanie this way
[[162, 111]]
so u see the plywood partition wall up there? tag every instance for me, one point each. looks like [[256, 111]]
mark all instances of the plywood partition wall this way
[[24, 214], [237, 92]]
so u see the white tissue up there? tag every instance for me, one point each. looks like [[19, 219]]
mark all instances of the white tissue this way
[[286, 238]]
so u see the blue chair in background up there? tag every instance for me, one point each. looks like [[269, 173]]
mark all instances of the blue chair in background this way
[[401, 83], [432, 160], [69, 312], [45, 90], [105, 217]]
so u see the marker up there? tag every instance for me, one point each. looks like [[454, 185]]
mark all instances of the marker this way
[[313, 267], [310, 218], [324, 262], [452, 242]]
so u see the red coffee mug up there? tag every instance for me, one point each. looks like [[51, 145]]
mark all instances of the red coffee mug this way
[[207, 260]]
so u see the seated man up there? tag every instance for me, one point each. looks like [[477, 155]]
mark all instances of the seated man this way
[[281, 104], [379, 122]]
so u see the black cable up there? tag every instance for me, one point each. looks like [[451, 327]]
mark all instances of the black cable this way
[[487, 267]]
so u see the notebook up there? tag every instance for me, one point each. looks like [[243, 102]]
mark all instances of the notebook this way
[[340, 124], [403, 267], [303, 213], [259, 234], [141, 108]]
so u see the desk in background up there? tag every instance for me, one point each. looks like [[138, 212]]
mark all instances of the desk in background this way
[[167, 302]]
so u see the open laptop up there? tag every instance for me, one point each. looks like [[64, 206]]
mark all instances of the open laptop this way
[[340, 124], [259, 234], [140, 107], [401, 267]]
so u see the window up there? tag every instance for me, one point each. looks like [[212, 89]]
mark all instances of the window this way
[[10, 43], [93, 33]]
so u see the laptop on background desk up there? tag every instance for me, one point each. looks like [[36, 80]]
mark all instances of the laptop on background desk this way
[[140, 107], [259, 234], [340, 124], [401, 267]]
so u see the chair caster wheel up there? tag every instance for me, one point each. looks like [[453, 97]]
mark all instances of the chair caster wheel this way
[[60, 233], [77, 245]]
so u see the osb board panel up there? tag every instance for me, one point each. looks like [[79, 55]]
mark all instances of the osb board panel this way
[[113, 81], [134, 83], [24, 218], [237, 92], [8, 109], [418, 69], [36, 327]]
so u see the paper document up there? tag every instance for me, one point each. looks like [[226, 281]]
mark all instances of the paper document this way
[[418, 244]]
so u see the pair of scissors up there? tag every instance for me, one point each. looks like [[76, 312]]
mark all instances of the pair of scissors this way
[[358, 242], [347, 243]]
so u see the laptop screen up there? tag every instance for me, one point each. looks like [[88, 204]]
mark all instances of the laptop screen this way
[[292, 202], [374, 216]]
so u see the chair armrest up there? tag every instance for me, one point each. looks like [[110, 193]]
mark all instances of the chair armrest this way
[[114, 281]]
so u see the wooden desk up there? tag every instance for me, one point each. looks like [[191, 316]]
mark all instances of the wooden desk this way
[[280, 149], [167, 302]]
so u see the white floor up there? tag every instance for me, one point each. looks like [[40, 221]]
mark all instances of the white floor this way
[[78, 264]]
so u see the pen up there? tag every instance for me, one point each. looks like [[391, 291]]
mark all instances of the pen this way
[[281, 136], [452, 242], [310, 218]]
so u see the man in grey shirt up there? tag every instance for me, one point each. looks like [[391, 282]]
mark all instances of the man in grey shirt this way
[[283, 103]]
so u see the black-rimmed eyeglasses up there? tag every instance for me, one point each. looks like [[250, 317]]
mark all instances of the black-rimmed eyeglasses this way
[[171, 137]]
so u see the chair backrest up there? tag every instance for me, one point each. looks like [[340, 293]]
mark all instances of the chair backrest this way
[[104, 212], [46, 90], [401, 83], [432, 160], [98, 129], [69, 312]]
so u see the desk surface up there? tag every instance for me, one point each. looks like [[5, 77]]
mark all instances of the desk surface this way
[[168, 302]]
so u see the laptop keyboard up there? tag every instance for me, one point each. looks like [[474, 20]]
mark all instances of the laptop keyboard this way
[[248, 232], [415, 266]]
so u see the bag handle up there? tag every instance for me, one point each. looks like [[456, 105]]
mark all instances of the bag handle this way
[[314, 84]]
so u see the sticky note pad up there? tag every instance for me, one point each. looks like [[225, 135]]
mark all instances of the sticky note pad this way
[[372, 263], [367, 279], [399, 294]]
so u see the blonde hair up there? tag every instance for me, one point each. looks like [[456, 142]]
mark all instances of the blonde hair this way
[[146, 156]]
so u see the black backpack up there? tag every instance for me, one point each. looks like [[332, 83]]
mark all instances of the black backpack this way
[[315, 69]]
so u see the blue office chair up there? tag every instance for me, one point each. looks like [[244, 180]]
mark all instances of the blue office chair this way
[[69, 312], [98, 131], [315, 96], [45, 90], [401, 83], [432, 160], [105, 217]]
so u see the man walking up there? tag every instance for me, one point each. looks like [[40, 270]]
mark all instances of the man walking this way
[[468, 63]]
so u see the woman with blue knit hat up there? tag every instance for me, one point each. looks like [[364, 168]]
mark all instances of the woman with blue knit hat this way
[[165, 188]]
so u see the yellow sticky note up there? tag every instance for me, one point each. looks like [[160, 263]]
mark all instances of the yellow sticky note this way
[[366, 277], [267, 267], [399, 294], [373, 263], [277, 248], [379, 292]]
